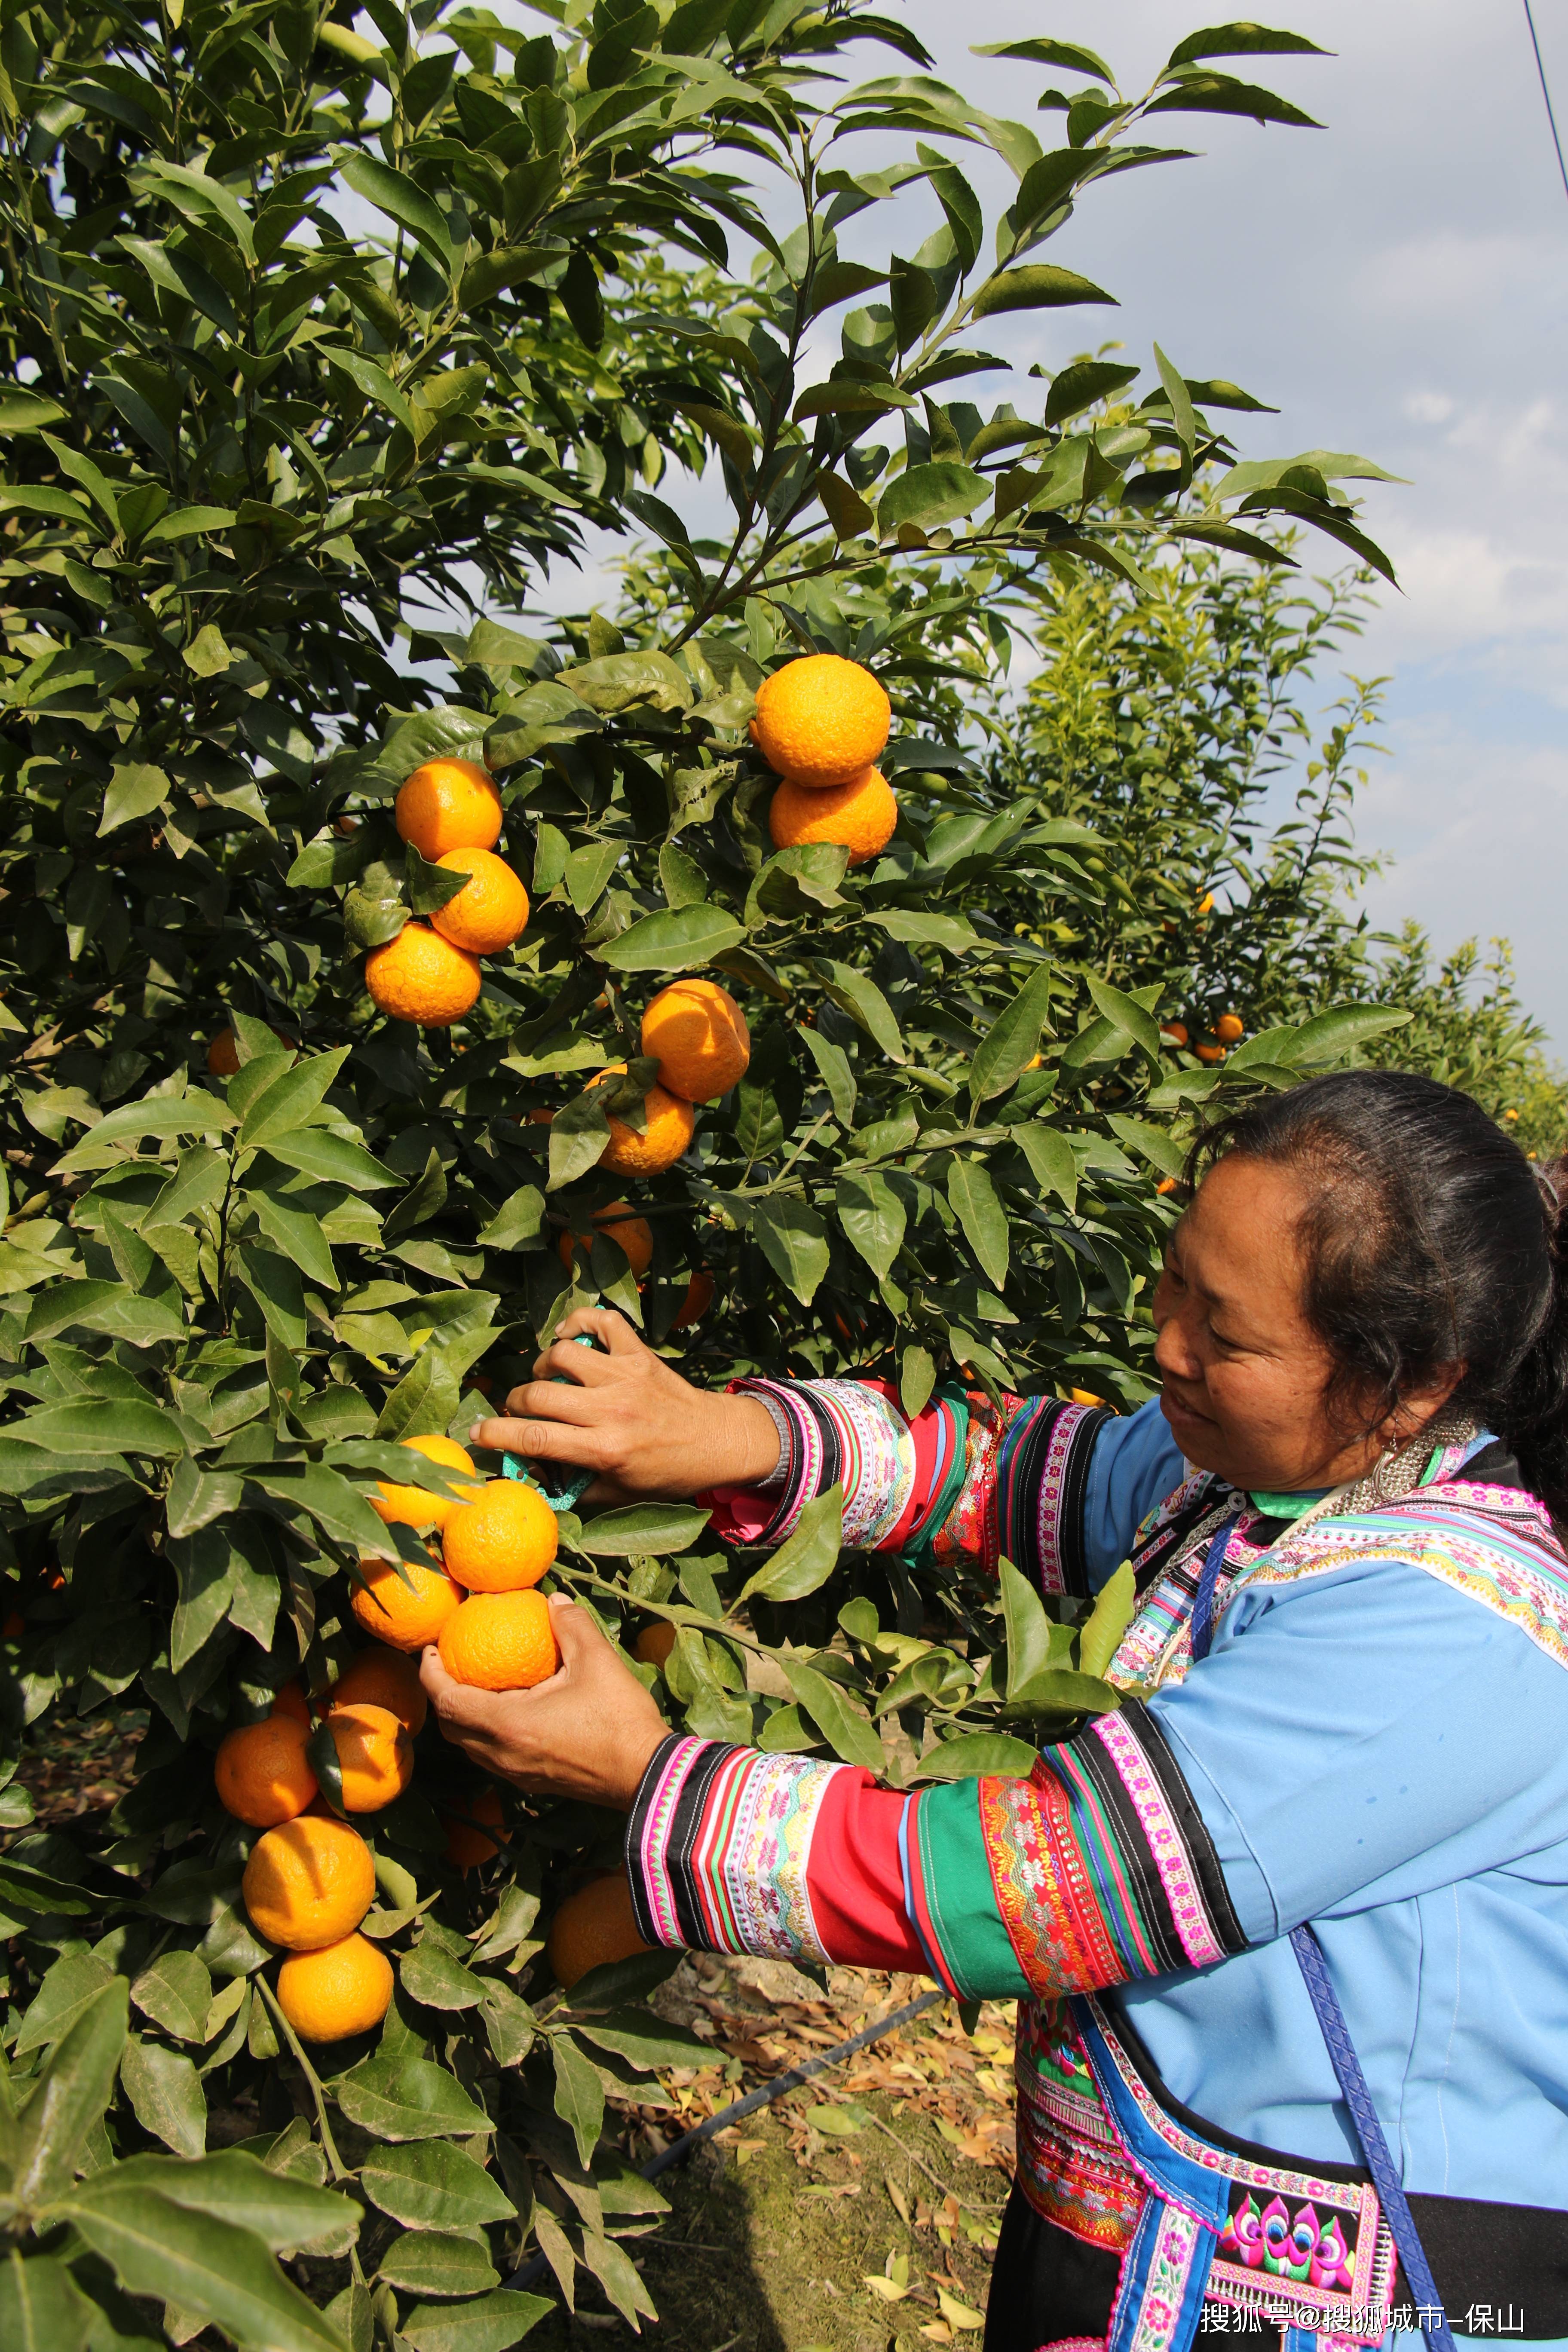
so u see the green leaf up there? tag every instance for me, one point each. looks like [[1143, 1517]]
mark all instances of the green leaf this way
[[518, 1218], [431, 886], [1125, 1014], [794, 1239], [579, 1133], [846, 510], [1079, 386], [950, 931], [864, 1002], [1242, 40], [158, 1115], [399, 2098], [317, 1151], [393, 193], [807, 1557], [42, 2309], [166, 2096], [135, 791], [927, 496], [916, 1378], [189, 522], [833, 1067], [588, 869], [491, 2323], [973, 1752], [201, 2264], [848, 1734], [975, 1204], [1155, 1144], [642, 1528], [1051, 1161], [579, 2095], [290, 1099], [1113, 1612], [280, 2208], [1196, 93], [1013, 1040], [430, 2185], [1034, 1643], [1330, 1036], [646, 2039], [675, 940], [1037, 285], [432, 1976], [275, 1283], [429, 2261], [176, 1993], [108, 1425], [873, 1216], [71, 2095], [1065, 54]]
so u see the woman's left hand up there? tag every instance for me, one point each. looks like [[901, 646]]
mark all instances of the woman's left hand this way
[[590, 1731]]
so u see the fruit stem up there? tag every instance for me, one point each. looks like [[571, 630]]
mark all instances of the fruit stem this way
[[329, 2145]]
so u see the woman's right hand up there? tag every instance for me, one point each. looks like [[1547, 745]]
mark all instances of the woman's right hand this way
[[624, 1413]]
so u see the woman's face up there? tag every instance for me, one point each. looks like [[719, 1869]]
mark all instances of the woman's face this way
[[1242, 1374]]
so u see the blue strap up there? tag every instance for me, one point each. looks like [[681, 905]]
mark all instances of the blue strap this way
[[566, 1487], [1331, 2023]]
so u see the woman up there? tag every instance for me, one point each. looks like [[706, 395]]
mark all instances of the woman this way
[[1346, 1704]]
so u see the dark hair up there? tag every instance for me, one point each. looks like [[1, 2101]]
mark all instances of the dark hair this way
[[1430, 1240]]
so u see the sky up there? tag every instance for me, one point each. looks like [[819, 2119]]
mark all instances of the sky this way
[[1394, 283]]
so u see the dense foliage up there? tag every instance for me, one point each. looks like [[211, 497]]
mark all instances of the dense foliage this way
[[307, 334]]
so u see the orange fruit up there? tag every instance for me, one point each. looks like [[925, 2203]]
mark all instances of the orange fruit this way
[[291, 1700], [820, 720], [489, 912], [860, 816], [420, 976], [468, 1847], [308, 1881], [500, 1640], [671, 1125], [698, 1298], [375, 1754], [1085, 1396], [503, 1541], [1166, 1184], [592, 1927], [449, 804], [341, 1988], [223, 1054], [262, 1772], [1209, 1053], [1205, 904], [383, 1678], [415, 1507], [1229, 1028], [655, 1643], [635, 1235], [698, 1035], [1176, 1031], [404, 1618]]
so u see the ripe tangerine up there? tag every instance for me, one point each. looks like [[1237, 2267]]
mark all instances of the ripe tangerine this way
[[386, 1678], [594, 1927], [861, 815], [375, 1754], [421, 977], [489, 911], [403, 1615], [503, 1541], [449, 804], [634, 1233], [500, 1640], [821, 720], [339, 1989], [262, 1772], [468, 1847], [308, 1881], [415, 1507], [668, 1132], [698, 1035]]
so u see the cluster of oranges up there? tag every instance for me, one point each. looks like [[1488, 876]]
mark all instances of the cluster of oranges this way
[[450, 811], [821, 724], [698, 1035], [1228, 1030]]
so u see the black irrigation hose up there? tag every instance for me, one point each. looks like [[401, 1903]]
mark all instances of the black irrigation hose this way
[[679, 2150]]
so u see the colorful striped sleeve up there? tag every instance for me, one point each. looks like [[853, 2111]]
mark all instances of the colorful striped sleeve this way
[[1095, 1870], [962, 1483]]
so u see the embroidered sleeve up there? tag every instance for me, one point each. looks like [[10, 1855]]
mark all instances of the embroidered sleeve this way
[[964, 1483], [1095, 1870]]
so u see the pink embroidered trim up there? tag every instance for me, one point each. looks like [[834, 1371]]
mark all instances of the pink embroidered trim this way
[[1188, 1909], [1058, 1444], [655, 1841]]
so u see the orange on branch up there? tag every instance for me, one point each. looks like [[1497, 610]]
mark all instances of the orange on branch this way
[[405, 1616], [375, 1754], [223, 1054], [594, 1927], [617, 1222], [500, 1640], [467, 1848], [861, 815], [383, 1678], [415, 1507], [487, 912], [669, 1125], [291, 1700], [1230, 1028], [698, 1035], [342, 1989], [1176, 1031], [449, 804], [262, 1772], [309, 1882], [1209, 1053], [698, 1298], [820, 720], [421, 977], [503, 1541], [655, 1643]]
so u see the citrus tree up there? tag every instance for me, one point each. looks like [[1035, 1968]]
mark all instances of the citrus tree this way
[[319, 348]]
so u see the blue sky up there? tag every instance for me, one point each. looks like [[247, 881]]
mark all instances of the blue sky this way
[[1395, 284]]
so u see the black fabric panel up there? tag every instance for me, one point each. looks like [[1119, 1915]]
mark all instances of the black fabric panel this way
[[683, 1827], [1075, 1496], [1045, 2283], [1194, 1829]]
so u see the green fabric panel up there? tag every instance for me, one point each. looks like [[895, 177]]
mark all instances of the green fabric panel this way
[[953, 1482], [1286, 1506], [961, 1915]]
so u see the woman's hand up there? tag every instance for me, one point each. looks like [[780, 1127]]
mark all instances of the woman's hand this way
[[587, 1732], [628, 1417]]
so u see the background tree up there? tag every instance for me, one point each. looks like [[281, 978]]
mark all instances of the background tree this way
[[303, 331]]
